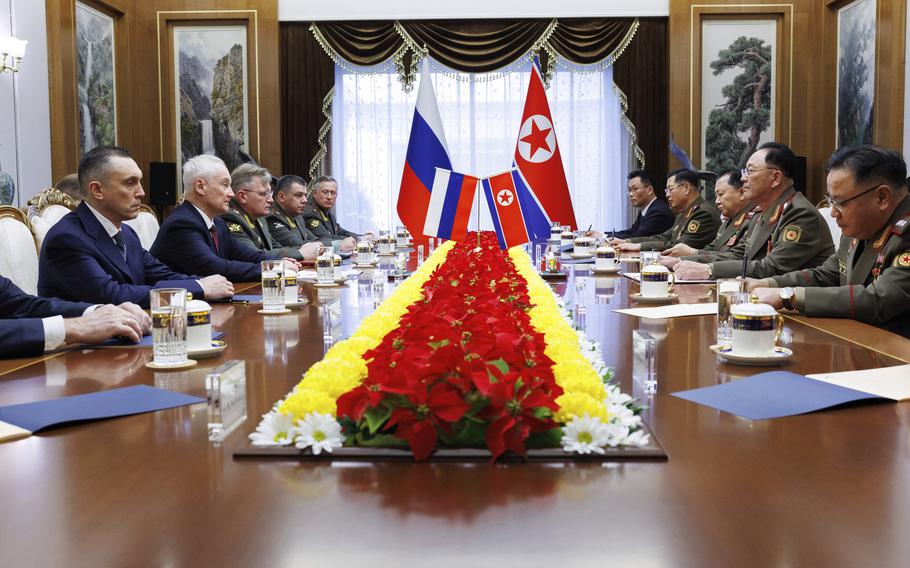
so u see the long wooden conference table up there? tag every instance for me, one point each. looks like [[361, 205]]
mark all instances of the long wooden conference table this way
[[825, 489]]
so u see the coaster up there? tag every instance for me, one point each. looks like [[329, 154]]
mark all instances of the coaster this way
[[190, 363], [779, 355], [654, 299], [614, 270], [335, 284], [553, 275], [274, 312], [386, 253], [216, 348], [374, 265]]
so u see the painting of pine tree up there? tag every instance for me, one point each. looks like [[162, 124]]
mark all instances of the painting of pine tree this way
[[855, 72]]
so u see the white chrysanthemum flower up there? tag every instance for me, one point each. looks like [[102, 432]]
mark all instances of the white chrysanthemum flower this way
[[637, 438], [319, 432], [621, 414], [584, 435], [275, 429]]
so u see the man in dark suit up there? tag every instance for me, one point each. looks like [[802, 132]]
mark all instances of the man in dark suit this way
[[286, 223], [195, 238], [90, 255], [655, 215], [246, 216], [321, 220], [30, 325]]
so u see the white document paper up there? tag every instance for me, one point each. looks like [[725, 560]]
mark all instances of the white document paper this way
[[10, 432], [887, 382], [672, 311]]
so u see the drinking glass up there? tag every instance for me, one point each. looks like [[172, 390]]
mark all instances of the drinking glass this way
[[169, 326], [325, 269], [649, 257], [726, 299], [272, 285]]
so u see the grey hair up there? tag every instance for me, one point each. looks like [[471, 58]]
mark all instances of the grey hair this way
[[324, 179], [203, 166], [246, 173]]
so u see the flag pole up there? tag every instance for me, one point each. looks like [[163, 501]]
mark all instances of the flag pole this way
[[478, 211]]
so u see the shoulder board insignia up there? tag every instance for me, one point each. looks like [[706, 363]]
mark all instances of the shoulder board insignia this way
[[740, 219], [693, 226], [277, 224], [902, 260], [880, 241], [901, 226], [842, 266], [235, 228], [732, 241], [792, 233], [314, 223]]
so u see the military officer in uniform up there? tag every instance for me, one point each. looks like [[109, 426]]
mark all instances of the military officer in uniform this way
[[696, 221], [868, 279], [734, 209], [285, 222], [320, 219], [245, 218], [790, 233]]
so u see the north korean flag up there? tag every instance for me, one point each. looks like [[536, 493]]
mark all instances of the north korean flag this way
[[518, 216]]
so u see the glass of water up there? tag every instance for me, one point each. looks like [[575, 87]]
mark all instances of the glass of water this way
[[649, 257], [273, 285], [726, 298], [169, 326]]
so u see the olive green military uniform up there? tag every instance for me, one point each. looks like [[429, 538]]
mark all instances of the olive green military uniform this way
[[254, 234], [323, 224], [791, 234], [289, 231], [731, 232], [867, 280], [696, 227]]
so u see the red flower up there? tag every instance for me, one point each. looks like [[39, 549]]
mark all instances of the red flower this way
[[439, 406]]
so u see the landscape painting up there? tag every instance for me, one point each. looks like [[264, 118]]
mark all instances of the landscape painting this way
[[95, 86], [737, 90], [855, 72], [210, 67]]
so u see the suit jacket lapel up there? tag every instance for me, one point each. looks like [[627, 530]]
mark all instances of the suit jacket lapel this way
[[859, 273], [103, 241]]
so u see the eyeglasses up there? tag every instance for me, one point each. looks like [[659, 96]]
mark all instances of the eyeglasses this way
[[670, 188], [746, 172], [841, 204], [638, 187]]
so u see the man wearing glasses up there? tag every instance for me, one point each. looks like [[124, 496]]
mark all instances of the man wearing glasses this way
[[790, 233], [696, 221], [246, 217], [868, 279]]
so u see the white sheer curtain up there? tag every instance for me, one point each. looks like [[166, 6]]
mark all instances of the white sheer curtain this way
[[481, 114]]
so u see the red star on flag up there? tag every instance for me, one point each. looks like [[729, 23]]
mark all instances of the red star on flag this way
[[537, 139]]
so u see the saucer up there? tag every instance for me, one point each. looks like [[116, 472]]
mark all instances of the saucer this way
[[216, 348], [614, 270], [274, 312], [780, 355], [374, 265], [190, 363], [579, 256], [299, 303], [630, 259], [654, 299]]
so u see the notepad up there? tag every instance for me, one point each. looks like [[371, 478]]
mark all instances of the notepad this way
[[23, 420], [671, 311], [777, 394]]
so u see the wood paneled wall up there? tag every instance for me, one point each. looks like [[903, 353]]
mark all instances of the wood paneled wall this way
[[807, 103], [143, 127]]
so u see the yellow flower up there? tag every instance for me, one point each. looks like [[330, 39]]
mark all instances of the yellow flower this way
[[303, 401], [578, 404]]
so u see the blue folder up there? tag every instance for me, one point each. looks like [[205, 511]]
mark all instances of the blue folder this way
[[773, 394], [36, 416], [145, 342]]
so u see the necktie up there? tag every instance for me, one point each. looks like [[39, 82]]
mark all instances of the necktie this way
[[214, 235], [118, 240]]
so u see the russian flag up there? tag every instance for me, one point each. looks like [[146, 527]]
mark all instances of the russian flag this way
[[450, 205], [518, 216], [427, 150]]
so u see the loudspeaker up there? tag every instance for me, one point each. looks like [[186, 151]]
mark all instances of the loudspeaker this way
[[799, 176], [163, 183]]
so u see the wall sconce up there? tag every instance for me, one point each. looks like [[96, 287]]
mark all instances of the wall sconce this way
[[12, 51]]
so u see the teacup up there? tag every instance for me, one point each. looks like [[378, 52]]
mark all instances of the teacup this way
[[604, 258], [364, 252], [386, 245], [567, 238], [198, 325], [555, 233], [655, 281], [583, 246], [756, 328], [402, 239]]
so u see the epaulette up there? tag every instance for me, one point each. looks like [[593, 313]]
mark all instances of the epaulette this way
[[901, 226]]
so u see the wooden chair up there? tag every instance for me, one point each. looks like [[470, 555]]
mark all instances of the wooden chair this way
[[18, 254], [45, 209]]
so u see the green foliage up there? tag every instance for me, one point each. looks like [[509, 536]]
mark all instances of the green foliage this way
[[747, 109], [854, 106]]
